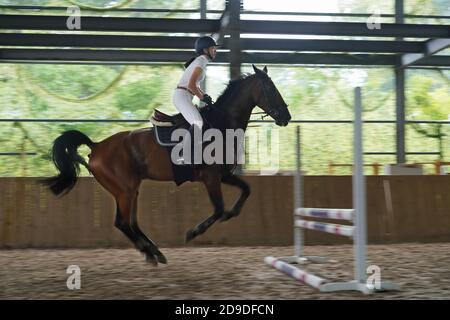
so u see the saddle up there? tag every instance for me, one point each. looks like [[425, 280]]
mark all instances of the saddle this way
[[164, 124], [162, 119]]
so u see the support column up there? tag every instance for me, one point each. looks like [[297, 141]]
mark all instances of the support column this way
[[203, 9], [399, 11], [400, 114], [400, 94], [234, 7], [235, 48]]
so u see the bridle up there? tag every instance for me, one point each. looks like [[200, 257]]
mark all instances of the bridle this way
[[270, 111]]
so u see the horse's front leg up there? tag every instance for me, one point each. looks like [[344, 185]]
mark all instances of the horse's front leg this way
[[211, 178], [233, 180]]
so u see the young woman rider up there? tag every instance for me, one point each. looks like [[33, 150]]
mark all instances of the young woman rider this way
[[189, 84]]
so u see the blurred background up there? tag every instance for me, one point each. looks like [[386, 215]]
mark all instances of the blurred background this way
[[125, 95]]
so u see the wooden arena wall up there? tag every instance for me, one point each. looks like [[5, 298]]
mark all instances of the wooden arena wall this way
[[400, 209]]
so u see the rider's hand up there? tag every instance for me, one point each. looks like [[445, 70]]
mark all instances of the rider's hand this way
[[207, 99]]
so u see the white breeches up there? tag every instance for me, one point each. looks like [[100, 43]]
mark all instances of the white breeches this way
[[183, 102]]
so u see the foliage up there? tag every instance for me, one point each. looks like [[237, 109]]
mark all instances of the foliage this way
[[320, 94], [428, 99], [132, 92]]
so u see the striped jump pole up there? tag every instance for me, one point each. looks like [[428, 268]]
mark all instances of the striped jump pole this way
[[337, 229], [337, 214], [301, 275]]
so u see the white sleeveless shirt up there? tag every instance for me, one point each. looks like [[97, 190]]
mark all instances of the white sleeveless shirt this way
[[200, 61]]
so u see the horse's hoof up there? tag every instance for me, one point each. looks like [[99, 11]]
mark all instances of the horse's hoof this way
[[190, 235], [161, 258], [151, 259]]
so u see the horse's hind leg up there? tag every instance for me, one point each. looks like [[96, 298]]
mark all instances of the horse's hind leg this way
[[114, 167], [126, 203], [150, 246], [123, 226], [126, 206]]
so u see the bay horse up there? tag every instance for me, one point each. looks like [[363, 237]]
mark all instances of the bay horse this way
[[120, 162]]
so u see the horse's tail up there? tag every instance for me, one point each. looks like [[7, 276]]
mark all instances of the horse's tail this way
[[66, 159]]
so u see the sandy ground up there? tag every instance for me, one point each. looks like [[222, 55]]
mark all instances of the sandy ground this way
[[422, 271]]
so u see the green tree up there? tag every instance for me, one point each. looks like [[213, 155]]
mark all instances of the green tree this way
[[428, 98]]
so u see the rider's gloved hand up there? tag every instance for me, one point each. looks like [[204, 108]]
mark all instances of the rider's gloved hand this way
[[207, 99]]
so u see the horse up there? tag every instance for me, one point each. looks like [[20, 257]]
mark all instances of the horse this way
[[120, 162]]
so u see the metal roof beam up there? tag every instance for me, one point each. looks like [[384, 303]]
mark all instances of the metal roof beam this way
[[431, 47], [332, 45], [122, 24], [140, 56], [117, 24], [166, 42], [345, 29], [224, 22], [95, 41]]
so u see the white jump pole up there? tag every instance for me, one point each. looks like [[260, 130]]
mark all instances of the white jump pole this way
[[359, 194], [299, 234], [339, 214], [298, 192], [300, 275], [360, 205]]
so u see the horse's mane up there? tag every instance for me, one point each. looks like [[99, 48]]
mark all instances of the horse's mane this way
[[230, 89]]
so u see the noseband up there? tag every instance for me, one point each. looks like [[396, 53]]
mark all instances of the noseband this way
[[270, 111]]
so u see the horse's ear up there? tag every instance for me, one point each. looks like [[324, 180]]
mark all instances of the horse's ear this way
[[255, 68], [265, 69]]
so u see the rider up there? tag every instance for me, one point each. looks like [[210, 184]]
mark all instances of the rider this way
[[188, 86]]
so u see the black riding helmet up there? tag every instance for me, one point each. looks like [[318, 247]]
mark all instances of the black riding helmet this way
[[204, 43]]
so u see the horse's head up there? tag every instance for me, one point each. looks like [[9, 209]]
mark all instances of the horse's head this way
[[269, 98]]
